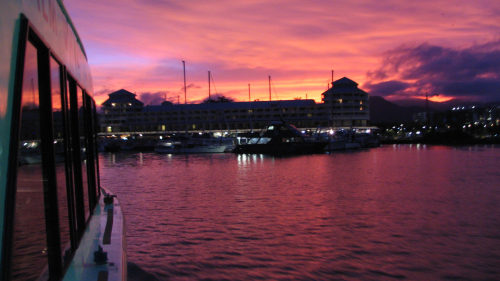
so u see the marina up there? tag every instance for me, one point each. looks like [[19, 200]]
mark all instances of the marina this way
[[388, 171]]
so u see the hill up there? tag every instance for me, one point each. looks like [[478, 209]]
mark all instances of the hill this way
[[383, 111]]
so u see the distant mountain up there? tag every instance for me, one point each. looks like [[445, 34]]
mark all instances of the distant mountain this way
[[436, 106], [383, 111]]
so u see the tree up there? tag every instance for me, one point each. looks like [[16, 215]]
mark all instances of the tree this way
[[220, 99]]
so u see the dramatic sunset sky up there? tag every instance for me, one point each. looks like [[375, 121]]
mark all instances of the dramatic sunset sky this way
[[391, 48]]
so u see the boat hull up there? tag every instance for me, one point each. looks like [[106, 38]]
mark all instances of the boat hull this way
[[281, 148], [207, 149]]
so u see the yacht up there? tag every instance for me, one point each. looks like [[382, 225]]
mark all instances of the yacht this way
[[279, 138]]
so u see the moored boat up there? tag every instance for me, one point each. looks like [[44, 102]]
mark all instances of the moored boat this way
[[194, 145], [279, 138]]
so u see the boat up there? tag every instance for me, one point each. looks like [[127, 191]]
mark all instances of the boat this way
[[192, 145], [56, 221], [335, 141], [279, 138]]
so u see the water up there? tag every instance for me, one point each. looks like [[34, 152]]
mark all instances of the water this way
[[395, 212]]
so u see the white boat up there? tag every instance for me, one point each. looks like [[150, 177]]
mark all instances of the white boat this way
[[57, 222], [194, 145]]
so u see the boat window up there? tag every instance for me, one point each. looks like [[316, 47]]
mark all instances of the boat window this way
[[96, 152], [29, 240], [83, 150], [74, 167], [61, 158], [92, 162]]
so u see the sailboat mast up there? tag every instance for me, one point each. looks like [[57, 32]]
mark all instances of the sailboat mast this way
[[330, 117], [269, 87], [185, 92], [209, 106]]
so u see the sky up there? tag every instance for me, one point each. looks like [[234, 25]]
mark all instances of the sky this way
[[445, 49]]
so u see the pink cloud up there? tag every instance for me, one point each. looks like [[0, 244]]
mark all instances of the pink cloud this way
[[139, 45]]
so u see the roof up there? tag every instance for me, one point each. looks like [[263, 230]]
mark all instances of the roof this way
[[231, 105], [344, 81], [344, 85], [122, 96]]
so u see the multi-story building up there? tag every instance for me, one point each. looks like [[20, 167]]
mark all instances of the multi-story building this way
[[346, 104], [117, 109], [343, 105]]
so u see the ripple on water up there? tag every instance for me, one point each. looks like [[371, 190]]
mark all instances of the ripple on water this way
[[382, 214]]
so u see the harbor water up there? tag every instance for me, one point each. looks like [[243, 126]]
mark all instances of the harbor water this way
[[411, 212]]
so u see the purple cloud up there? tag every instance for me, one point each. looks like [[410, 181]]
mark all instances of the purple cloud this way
[[473, 72], [153, 98]]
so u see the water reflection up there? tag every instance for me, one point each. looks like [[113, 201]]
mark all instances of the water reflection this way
[[398, 212]]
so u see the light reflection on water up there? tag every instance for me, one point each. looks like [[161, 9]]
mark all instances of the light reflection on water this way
[[415, 212]]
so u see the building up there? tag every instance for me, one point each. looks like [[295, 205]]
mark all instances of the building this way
[[343, 105], [346, 104]]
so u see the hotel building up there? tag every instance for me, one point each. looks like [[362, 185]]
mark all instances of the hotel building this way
[[343, 105]]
